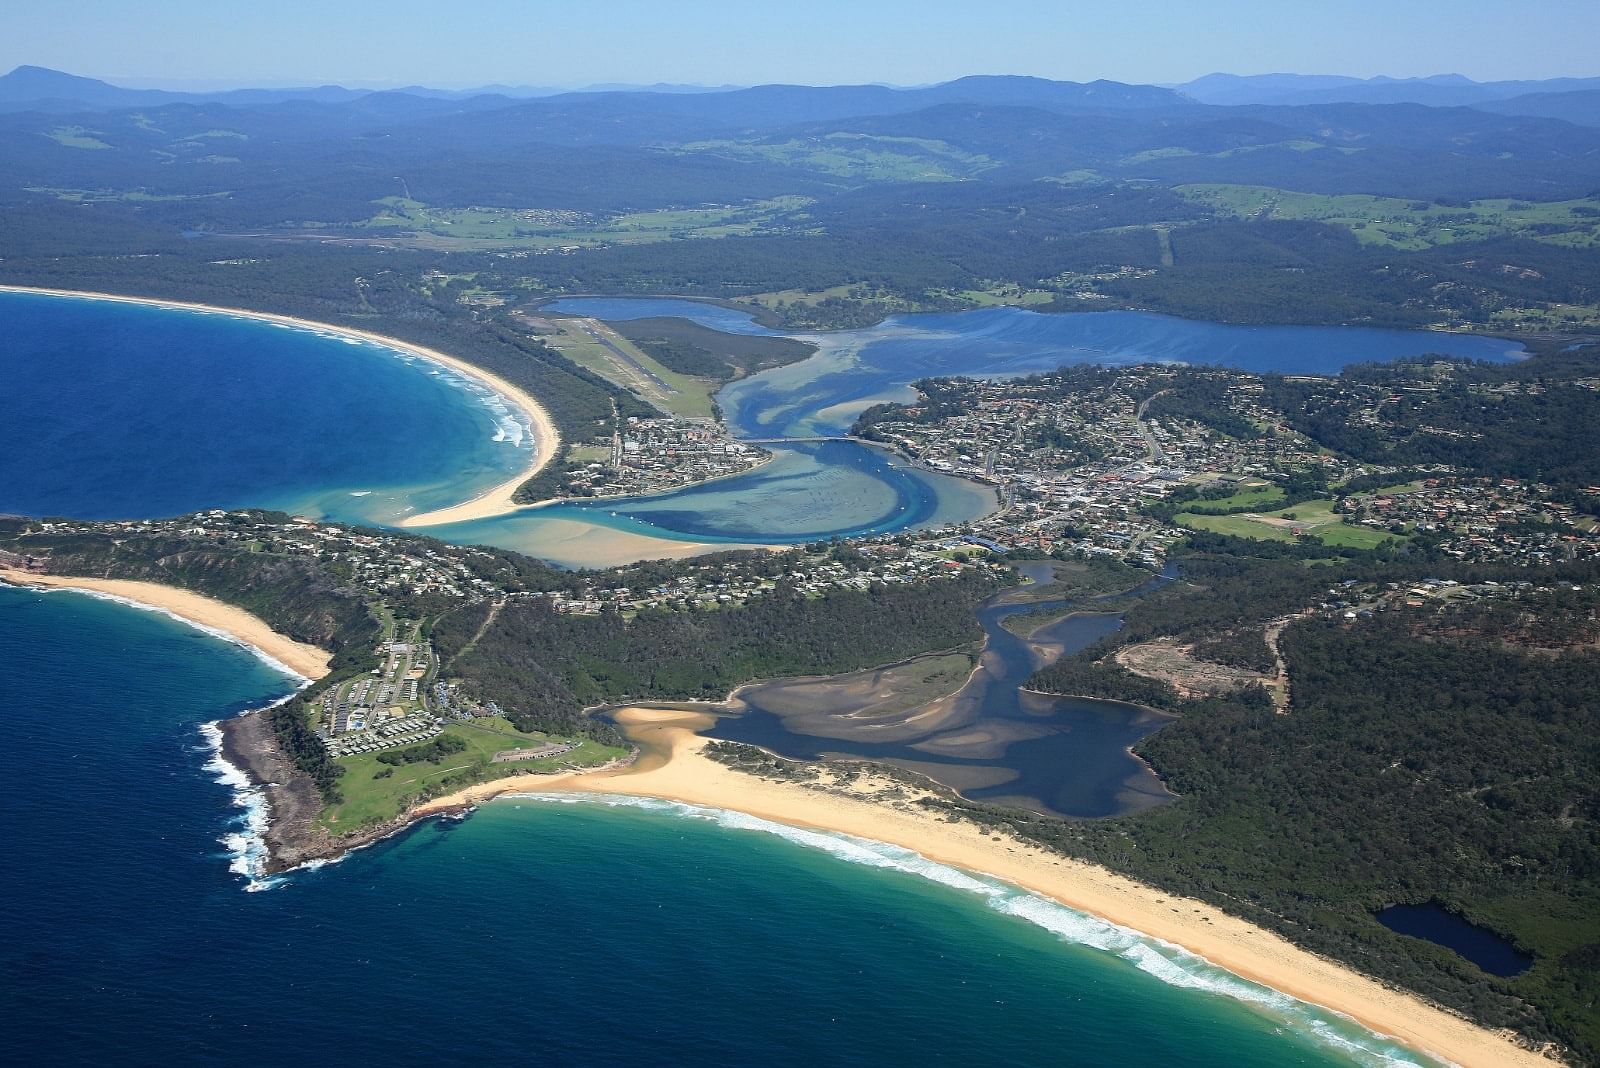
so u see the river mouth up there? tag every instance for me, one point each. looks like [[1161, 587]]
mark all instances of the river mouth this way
[[962, 719]]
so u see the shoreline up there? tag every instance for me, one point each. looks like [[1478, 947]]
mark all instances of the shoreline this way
[[672, 766], [675, 768], [299, 659], [497, 500]]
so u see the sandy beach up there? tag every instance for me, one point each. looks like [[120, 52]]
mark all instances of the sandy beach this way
[[492, 502], [673, 767], [307, 661]]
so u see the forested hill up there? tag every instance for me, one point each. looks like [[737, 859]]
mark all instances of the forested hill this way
[[1438, 749], [820, 206], [504, 641]]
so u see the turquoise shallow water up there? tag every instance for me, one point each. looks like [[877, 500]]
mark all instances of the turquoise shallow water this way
[[809, 491], [118, 410], [125, 410], [540, 932]]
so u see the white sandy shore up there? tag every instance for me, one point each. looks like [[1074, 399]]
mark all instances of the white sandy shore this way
[[307, 661], [492, 502], [674, 768]]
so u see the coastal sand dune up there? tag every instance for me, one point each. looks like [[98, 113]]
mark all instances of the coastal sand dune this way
[[308, 661], [673, 766], [495, 501]]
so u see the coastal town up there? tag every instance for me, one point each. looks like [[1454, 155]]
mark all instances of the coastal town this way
[[1088, 469], [388, 566], [656, 455]]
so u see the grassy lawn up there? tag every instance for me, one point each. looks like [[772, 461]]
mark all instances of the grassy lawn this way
[[1388, 491], [1316, 518], [1238, 526], [1254, 495], [369, 799], [692, 398], [1550, 317], [589, 454]]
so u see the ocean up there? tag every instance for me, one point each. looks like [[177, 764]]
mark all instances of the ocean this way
[[117, 410], [555, 932], [120, 411]]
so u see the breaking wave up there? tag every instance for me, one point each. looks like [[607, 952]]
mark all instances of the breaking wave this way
[[1161, 960]]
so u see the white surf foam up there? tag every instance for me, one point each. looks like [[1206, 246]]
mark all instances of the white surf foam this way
[[1161, 960], [245, 844]]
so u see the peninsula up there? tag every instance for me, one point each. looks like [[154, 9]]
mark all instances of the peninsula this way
[[668, 759], [429, 707]]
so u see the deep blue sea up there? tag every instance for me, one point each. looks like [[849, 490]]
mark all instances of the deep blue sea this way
[[534, 931], [117, 410], [113, 410]]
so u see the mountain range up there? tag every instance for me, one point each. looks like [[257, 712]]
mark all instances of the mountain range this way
[[1576, 100]]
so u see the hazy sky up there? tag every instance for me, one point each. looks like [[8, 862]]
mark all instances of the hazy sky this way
[[536, 42]]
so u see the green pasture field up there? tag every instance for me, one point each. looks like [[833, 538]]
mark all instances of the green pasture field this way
[[1410, 224], [1317, 518], [538, 228], [1248, 496], [856, 155], [76, 137], [368, 799]]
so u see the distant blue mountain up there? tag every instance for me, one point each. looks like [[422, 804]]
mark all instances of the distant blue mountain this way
[[1439, 90], [1580, 106], [42, 89]]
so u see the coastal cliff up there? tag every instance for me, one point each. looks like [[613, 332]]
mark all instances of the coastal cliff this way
[[293, 837]]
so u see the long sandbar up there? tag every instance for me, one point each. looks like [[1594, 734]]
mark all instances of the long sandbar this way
[[498, 500], [675, 768], [305, 660]]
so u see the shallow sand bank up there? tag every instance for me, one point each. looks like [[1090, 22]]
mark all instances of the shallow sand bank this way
[[576, 543], [492, 502], [674, 767], [307, 661]]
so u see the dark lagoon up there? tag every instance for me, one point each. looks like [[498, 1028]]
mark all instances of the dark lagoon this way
[[1481, 946]]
